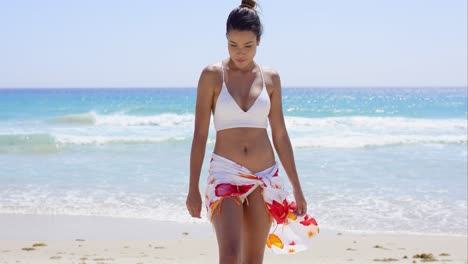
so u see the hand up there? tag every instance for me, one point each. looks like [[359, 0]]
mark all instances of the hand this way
[[301, 204], [194, 203]]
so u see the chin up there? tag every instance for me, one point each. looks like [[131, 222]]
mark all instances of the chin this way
[[243, 64]]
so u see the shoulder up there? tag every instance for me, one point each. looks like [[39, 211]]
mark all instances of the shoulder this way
[[210, 79], [212, 72], [272, 77]]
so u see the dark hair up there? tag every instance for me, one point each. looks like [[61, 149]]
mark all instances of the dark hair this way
[[245, 18]]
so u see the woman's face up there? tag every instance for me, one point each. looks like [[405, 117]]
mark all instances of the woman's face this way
[[242, 46]]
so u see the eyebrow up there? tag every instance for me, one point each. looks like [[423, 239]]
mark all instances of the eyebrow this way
[[248, 42]]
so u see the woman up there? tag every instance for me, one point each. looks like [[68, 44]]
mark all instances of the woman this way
[[243, 97]]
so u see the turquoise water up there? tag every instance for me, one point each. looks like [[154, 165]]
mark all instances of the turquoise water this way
[[386, 160]]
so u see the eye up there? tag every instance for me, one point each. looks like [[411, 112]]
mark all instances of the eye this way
[[248, 47]]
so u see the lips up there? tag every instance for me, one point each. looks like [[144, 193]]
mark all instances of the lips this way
[[241, 60]]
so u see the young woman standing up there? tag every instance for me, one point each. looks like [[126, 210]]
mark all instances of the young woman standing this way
[[243, 97]]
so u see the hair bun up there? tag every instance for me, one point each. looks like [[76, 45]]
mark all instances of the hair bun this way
[[251, 4]]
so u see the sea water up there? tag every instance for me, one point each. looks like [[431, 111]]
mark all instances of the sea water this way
[[376, 160]]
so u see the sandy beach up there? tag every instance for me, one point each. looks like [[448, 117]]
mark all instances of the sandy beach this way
[[84, 239]]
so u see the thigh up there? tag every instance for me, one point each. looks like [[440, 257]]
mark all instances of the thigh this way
[[227, 221], [256, 225]]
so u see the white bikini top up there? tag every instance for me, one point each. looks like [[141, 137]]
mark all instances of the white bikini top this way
[[228, 114]]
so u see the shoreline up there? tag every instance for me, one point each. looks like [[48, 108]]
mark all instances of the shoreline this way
[[66, 227], [91, 239]]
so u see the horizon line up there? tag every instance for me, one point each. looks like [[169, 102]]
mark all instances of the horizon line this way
[[284, 87]]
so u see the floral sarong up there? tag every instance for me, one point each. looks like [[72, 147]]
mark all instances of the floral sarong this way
[[289, 233]]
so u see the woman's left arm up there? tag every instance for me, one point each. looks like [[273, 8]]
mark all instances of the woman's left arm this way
[[282, 143]]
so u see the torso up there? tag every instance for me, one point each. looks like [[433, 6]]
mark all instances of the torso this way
[[247, 146]]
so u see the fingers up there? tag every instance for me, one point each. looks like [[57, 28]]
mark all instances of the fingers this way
[[194, 204], [301, 210], [194, 211]]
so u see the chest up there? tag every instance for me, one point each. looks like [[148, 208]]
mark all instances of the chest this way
[[242, 92]]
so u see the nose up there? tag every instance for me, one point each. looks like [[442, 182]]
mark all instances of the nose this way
[[241, 52]]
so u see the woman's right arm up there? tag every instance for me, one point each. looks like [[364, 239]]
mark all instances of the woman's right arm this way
[[200, 135]]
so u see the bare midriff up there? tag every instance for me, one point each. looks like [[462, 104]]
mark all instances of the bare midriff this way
[[247, 146]]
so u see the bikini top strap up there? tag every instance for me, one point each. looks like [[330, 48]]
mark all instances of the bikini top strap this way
[[261, 72], [222, 69]]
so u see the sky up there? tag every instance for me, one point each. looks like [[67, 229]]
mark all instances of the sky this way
[[155, 43]]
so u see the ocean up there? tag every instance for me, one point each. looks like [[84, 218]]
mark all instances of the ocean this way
[[372, 160]]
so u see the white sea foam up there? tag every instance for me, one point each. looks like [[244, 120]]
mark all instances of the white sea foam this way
[[343, 211], [334, 132], [83, 119], [92, 118]]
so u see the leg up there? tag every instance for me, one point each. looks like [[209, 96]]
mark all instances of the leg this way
[[255, 228], [227, 225]]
